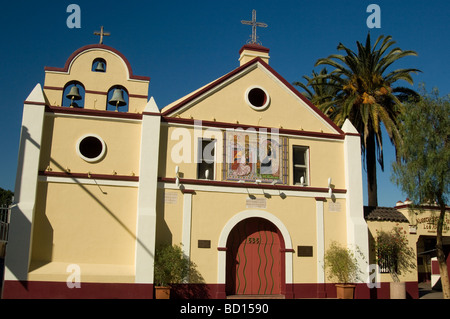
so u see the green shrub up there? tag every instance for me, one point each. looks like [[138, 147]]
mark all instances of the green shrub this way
[[341, 264], [171, 266]]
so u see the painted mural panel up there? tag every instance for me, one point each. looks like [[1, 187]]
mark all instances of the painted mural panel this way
[[252, 156]]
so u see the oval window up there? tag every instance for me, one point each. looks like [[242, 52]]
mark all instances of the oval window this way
[[257, 98], [91, 148]]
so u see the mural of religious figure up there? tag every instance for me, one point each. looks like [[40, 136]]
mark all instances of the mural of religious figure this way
[[250, 157]]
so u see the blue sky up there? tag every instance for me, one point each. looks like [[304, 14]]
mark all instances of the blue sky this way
[[182, 45]]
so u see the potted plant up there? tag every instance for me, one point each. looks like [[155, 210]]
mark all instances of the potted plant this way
[[171, 267], [395, 256], [342, 266]]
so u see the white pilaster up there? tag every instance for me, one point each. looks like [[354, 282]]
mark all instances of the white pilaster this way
[[22, 214], [320, 239], [147, 195], [187, 222], [357, 231]]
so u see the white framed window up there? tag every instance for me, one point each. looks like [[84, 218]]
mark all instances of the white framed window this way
[[300, 160], [91, 148], [206, 158]]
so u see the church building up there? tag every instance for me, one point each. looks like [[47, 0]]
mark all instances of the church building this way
[[245, 174]]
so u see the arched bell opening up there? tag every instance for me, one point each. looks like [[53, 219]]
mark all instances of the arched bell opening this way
[[73, 94], [99, 65], [117, 99]]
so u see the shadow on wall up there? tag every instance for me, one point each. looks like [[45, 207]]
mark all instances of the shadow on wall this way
[[19, 221], [196, 289]]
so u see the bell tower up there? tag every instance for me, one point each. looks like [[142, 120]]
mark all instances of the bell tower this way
[[96, 77]]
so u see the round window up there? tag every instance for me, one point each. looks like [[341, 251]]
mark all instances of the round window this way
[[91, 148], [257, 98]]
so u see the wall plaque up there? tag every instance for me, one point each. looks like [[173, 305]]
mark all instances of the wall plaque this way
[[256, 203], [304, 251], [204, 243], [170, 197], [334, 207]]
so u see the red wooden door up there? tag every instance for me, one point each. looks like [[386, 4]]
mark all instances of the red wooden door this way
[[254, 258]]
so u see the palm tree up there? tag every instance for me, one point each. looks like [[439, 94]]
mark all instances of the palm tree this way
[[323, 90], [366, 97]]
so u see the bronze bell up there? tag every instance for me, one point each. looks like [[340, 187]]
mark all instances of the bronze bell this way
[[74, 93], [117, 98], [100, 67]]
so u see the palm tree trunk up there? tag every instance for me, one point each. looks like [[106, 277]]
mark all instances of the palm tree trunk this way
[[371, 163]]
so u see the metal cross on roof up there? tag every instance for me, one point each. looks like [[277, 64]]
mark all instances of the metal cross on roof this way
[[254, 24], [101, 34]]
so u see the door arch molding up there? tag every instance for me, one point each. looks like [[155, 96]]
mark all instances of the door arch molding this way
[[233, 221]]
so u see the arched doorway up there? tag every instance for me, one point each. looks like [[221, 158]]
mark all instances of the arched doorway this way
[[255, 258]]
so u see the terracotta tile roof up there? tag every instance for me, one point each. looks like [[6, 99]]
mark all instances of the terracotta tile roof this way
[[376, 213]]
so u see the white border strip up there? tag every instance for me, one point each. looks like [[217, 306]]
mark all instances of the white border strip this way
[[251, 191], [94, 117], [87, 181]]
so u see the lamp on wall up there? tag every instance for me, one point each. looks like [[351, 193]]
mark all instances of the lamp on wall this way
[[177, 177], [330, 190]]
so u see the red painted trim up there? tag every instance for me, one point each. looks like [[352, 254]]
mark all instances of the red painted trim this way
[[362, 291], [197, 291], [249, 185], [95, 92], [151, 113], [140, 96], [188, 191], [97, 46], [226, 125], [222, 248], [57, 88], [254, 47], [289, 250], [90, 176], [90, 112], [322, 199], [308, 102], [238, 70], [209, 87], [59, 290], [352, 134]]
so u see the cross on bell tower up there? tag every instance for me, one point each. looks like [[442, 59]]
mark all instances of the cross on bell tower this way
[[101, 34], [254, 24]]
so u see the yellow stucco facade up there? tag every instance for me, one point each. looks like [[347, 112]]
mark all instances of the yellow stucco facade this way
[[101, 189]]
